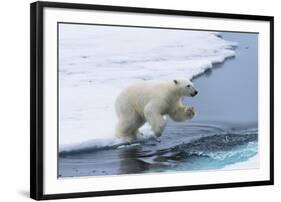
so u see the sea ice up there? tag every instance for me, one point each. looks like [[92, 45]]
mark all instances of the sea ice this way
[[97, 62]]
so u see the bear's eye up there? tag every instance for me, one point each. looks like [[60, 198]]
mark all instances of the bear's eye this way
[[188, 86]]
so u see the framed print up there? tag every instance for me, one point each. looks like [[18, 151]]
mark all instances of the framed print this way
[[131, 100]]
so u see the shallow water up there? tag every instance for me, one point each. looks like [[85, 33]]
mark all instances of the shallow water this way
[[223, 132]]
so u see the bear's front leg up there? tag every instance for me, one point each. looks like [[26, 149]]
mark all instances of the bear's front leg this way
[[182, 113], [155, 119], [189, 112]]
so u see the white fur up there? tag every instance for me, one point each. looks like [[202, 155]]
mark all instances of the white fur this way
[[148, 102]]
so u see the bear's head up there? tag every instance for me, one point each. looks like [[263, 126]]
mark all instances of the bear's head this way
[[185, 88]]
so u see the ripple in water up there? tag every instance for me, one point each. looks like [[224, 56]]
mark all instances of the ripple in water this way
[[182, 147]]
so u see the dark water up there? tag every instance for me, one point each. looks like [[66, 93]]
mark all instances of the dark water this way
[[229, 92], [223, 132]]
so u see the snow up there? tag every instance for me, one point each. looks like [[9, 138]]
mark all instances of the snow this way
[[97, 62]]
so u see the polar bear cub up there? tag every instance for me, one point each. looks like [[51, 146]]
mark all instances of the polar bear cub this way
[[149, 102]]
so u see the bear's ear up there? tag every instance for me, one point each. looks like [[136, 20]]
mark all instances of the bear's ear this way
[[176, 82]]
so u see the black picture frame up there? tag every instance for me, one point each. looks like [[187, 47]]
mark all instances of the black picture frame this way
[[37, 101]]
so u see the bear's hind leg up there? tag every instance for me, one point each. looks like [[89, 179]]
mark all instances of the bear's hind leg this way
[[124, 131], [128, 129]]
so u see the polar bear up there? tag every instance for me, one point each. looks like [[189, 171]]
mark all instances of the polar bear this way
[[149, 102]]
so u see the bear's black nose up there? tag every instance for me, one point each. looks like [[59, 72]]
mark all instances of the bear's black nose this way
[[194, 93]]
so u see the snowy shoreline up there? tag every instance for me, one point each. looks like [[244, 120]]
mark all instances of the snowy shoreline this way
[[97, 62]]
